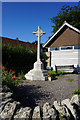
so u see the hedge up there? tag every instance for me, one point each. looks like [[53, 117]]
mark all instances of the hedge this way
[[18, 58]]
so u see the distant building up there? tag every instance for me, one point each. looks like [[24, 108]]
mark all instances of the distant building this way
[[16, 43], [64, 47]]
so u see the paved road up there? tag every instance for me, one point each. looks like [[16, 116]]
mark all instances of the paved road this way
[[34, 93]]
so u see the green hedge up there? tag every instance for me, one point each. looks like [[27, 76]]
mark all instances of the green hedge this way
[[19, 58]]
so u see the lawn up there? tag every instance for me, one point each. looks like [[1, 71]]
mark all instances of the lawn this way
[[70, 80]]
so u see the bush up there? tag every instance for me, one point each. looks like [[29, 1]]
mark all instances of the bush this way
[[21, 76], [59, 73], [77, 91], [49, 74], [10, 79], [19, 58]]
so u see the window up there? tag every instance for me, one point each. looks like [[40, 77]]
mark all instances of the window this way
[[62, 48], [54, 48], [77, 47], [66, 47]]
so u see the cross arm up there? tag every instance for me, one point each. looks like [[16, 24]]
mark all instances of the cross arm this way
[[43, 32], [34, 32]]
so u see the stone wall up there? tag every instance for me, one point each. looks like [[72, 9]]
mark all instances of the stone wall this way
[[67, 109]]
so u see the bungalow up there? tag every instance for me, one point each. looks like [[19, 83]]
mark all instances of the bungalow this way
[[64, 47]]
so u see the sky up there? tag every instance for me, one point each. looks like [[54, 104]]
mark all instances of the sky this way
[[20, 19]]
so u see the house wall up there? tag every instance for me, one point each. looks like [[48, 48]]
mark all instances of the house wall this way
[[65, 57]]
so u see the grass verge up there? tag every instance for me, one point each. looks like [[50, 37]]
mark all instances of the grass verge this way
[[70, 80]]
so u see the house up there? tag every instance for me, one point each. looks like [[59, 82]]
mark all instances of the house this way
[[64, 47], [16, 43]]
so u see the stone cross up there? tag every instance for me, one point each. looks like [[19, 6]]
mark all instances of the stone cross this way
[[38, 33]]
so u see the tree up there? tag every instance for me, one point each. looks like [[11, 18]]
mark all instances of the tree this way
[[69, 14], [36, 42], [17, 38]]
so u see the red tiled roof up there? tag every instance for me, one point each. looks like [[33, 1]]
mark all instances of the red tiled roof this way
[[16, 43]]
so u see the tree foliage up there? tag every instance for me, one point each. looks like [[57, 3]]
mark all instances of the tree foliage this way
[[69, 14]]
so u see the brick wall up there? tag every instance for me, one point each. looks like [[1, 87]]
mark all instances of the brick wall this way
[[16, 43]]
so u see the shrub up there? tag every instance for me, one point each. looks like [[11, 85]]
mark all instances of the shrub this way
[[49, 74], [21, 76], [19, 58], [59, 73], [9, 78], [77, 91]]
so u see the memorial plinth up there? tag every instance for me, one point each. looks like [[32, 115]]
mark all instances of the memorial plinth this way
[[38, 72]]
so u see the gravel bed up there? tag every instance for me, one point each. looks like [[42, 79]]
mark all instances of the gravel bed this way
[[33, 93]]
